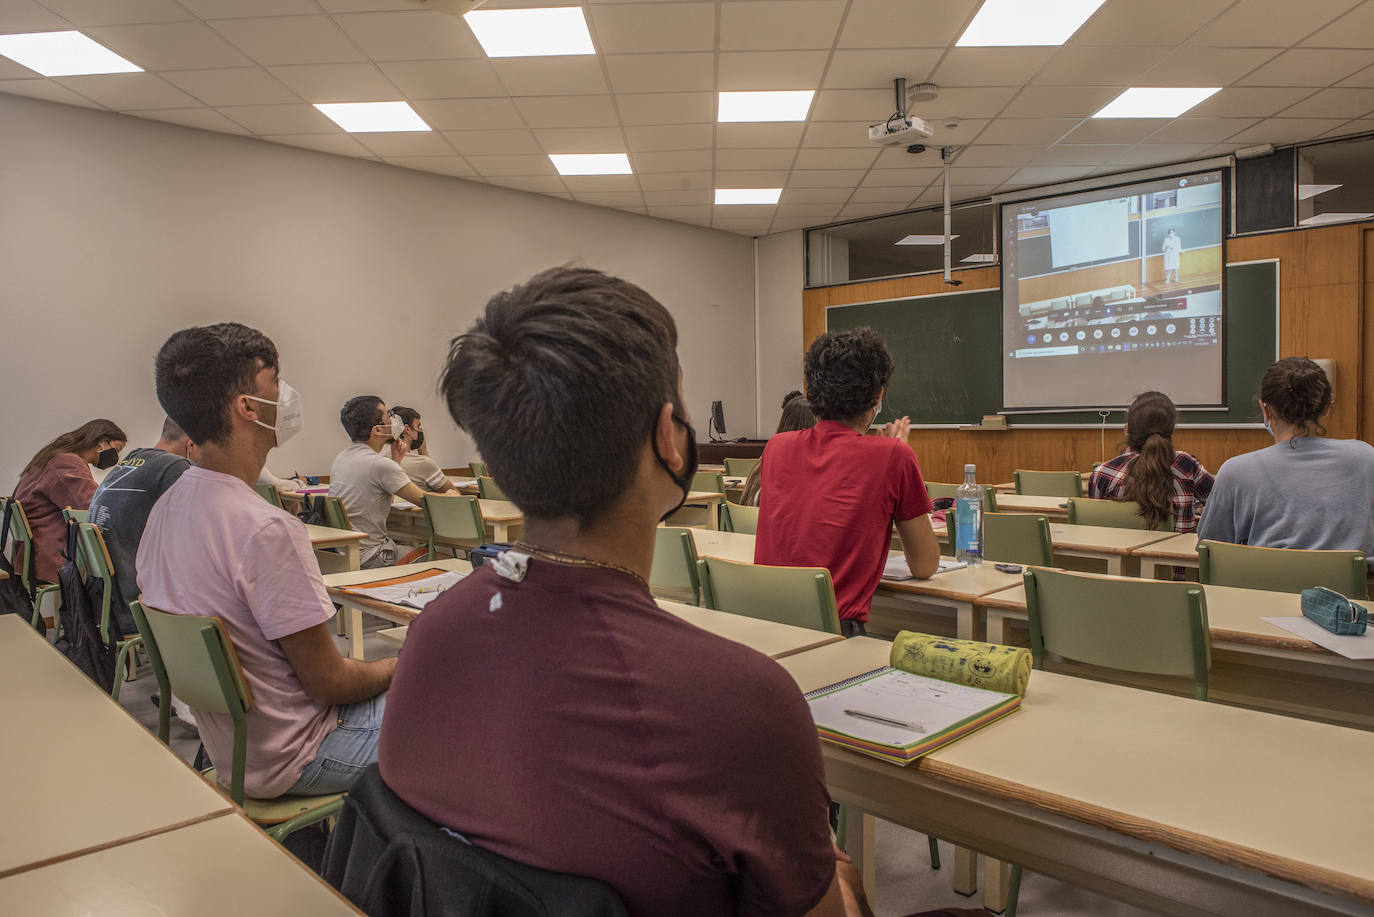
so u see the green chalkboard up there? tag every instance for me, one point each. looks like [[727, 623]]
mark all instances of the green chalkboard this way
[[948, 351]]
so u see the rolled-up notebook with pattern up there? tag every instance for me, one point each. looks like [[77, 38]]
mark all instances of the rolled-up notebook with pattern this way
[[966, 662]]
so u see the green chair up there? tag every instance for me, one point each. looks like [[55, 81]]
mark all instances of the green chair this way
[[800, 596], [740, 467], [735, 517], [946, 491], [22, 536], [674, 574], [1281, 569], [269, 493], [454, 521], [335, 516], [94, 557], [193, 658], [75, 515], [1017, 538], [1049, 483], [487, 489], [708, 482], [478, 469], [1117, 514]]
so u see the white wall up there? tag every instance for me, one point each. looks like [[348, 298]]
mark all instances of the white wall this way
[[780, 268], [116, 231]]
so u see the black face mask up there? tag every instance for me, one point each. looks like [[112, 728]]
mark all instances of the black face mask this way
[[689, 470], [418, 441], [106, 458]]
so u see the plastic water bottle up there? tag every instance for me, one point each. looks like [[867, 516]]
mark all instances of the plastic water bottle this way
[[967, 536]]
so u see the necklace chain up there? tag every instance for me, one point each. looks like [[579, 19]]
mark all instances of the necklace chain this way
[[576, 560]]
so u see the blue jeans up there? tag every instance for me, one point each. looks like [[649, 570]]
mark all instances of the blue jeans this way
[[344, 753]]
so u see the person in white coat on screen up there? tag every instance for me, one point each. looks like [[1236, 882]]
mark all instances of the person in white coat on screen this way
[[1171, 248]]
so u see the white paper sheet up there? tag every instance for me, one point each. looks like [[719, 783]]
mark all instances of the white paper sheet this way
[[414, 594], [462, 482], [897, 569], [1349, 647], [403, 504], [932, 704]]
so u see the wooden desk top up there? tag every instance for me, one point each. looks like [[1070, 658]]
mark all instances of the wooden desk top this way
[[770, 638], [224, 867], [704, 496], [322, 536], [491, 510], [963, 585], [60, 731], [1220, 782], [735, 546], [355, 577], [1029, 503], [1102, 539], [1179, 547]]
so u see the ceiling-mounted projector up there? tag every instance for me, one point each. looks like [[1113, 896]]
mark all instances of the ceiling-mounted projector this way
[[452, 7], [907, 129]]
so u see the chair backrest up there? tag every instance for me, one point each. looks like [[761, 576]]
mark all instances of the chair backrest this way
[[94, 560], [1281, 569], [201, 668], [453, 516], [75, 515], [1049, 483], [1017, 538], [21, 535], [740, 467], [939, 491], [674, 574], [708, 482], [800, 596], [737, 518], [269, 493], [1135, 625], [487, 489], [478, 469], [1117, 514], [335, 516]]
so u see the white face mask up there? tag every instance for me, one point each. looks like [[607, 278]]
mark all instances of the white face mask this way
[[398, 426], [290, 416]]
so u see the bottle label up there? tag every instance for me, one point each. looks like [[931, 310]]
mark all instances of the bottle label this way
[[966, 514]]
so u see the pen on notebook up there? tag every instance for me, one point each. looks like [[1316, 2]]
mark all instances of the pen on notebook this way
[[886, 721]]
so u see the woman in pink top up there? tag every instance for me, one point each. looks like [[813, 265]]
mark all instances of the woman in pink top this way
[[58, 478]]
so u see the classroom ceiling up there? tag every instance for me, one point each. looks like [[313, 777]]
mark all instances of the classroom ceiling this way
[[1290, 71]]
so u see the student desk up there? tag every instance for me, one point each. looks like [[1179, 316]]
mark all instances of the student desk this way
[[225, 867], [325, 540], [1051, 507], [79, 773], [500, 518], [1165, 802], [1115, 546], [700, 507], [1162, 556], [356, 605]]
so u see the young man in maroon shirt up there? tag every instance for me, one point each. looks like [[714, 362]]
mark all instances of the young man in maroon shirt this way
[[830, 494]]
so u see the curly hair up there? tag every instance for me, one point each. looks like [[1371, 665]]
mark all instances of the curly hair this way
[[845, 371], [1297, 390]]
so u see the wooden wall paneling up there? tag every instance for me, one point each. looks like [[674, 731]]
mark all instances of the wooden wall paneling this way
[[1366, 425]]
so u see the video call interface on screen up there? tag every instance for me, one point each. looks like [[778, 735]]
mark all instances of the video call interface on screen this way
[[1122, 282]]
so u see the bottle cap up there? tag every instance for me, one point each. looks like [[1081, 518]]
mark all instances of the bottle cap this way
[[968, 468]]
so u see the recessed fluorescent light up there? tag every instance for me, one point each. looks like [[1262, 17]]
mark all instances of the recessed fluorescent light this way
[[747, 195], [980, 258], [790, 105], [1321, 218], [531, 33], [1155, 101], [1306, 191], [373, 117], [924, 240], [63, 54], [1026, 22], [591, 163]]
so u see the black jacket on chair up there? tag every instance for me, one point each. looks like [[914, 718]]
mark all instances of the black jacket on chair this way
[[392, 861]]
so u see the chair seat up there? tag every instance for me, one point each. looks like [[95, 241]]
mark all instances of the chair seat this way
[[283, 808]]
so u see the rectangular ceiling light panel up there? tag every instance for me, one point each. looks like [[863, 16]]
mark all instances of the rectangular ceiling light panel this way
[[531, 33], [1156, 101], [373, 117], [1002, 23], [63, 54], [788, 105], [747, 195], [591, 163]]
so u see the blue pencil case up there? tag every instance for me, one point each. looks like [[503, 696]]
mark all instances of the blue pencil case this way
[[1334, 612]]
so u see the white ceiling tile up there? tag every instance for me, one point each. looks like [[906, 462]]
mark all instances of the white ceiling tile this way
[[877, 69], [445, 79], [413, 35], [1265, 23], [290, 40], [10, 70], [83, 13], [338, 82], [747, 25], [577, 74], [1073, 154], [980, 175], [836, 134], [1248, 102], [1046, 175], [1286, 130], [1309, 67], [912, 180], [974, 102], [858, 211], [771, 69], [962, 132], [540, 184], [1094, 65], [682, 211], [868, 105], [568, 111], [812, 197], [1150, 154], [1333, 103], [1156, 23], [666, 107], [990, 66], [1200, 130], [671, 161], [281, 119], [676, 181], [658, 27], [129, 91], [581, 139], [745, 227], [502, 166], [807, 211], [340, 144], [366, 6], [998, 155], [754, 159], [439, 165], [1204, 66], [759, 136], [1364, 126], [237, 86], [787, 224], [661, 72], [27, 16], [229, 9], [170, 46], [204, 118], [679, 197], [893, 197], [1362, 79], [861, 158], [671, 137], [1060, 101], [47, 90], [611, 198], [1115, 130], [469, 114], [774, 178], [406, 143], [1353, 30], [743, 212], [1019, 131], [888, 23], [494, 143], [825, 178]]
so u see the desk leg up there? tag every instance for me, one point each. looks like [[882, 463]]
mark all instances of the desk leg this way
[[355, 632], [500, 532], [353, 557], [1113, 564], [965, 871], [963, 612], [713, 516], [996, 875], [859, 841], [996, 627]]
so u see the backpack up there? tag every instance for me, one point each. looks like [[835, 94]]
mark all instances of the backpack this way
[[312, 510], [14, 598], [80, 641]]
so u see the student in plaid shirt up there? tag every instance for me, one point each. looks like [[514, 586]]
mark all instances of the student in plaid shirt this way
[[1150, 472]]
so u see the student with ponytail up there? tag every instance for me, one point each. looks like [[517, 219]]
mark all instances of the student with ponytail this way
[[1150, 472], [1305, 491]]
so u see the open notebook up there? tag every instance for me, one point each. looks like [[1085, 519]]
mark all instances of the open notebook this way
[[413, 591], [897, 569]]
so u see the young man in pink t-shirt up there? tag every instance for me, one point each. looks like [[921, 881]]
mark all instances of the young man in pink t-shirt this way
[[830, 495]]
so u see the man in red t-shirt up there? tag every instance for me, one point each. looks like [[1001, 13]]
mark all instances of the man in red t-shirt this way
[[830, 494]]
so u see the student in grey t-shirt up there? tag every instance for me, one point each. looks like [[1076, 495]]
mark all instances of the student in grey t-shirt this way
[[365, 478], [1305, 491], [121, 505]]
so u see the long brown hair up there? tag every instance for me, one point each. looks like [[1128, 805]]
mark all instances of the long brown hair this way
[[91, 433], [1149, 478], [796, 415]]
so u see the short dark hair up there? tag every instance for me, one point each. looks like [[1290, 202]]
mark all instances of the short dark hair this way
[[359, 415], [408, 415], [1296, 389], [845, 371], [200, 370], [171, 432], [786, 399], [560, 383]]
